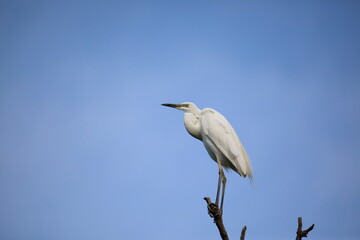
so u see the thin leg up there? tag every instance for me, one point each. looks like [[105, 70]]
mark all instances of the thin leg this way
[[218, 190], [223, 190], [221, 175]]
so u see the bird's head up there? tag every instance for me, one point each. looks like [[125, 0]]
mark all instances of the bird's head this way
[[186, 107]]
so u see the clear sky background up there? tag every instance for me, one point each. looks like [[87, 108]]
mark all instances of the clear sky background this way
[[88, 152]]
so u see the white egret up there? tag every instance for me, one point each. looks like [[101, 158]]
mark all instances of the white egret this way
[[219, 139]]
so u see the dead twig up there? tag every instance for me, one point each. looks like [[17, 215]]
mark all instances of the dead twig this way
[[302, 233], [243, 231]]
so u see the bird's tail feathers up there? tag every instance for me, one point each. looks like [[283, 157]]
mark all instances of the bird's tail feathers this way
[[248, 168], [251, 178]]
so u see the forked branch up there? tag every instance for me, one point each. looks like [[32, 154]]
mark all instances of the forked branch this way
[[302, 233]]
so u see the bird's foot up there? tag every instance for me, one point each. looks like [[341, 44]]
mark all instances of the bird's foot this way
[[213, 210]]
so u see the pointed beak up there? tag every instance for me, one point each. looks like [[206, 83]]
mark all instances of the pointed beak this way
[[181, 106], [171, 105]]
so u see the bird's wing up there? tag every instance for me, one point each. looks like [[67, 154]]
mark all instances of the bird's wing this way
[[220, 132]]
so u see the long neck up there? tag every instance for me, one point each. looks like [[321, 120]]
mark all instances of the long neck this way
[[192, 125]]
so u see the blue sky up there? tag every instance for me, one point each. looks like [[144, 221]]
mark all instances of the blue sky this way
[[88, 152]]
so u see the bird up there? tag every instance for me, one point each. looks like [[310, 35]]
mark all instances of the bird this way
[[220, 141]]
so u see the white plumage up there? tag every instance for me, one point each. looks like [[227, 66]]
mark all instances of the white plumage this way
[[222, 142], [219, 139]]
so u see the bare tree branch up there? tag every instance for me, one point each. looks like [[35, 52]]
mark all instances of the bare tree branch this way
[[243, 231], [302, 233], [215, 213]]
